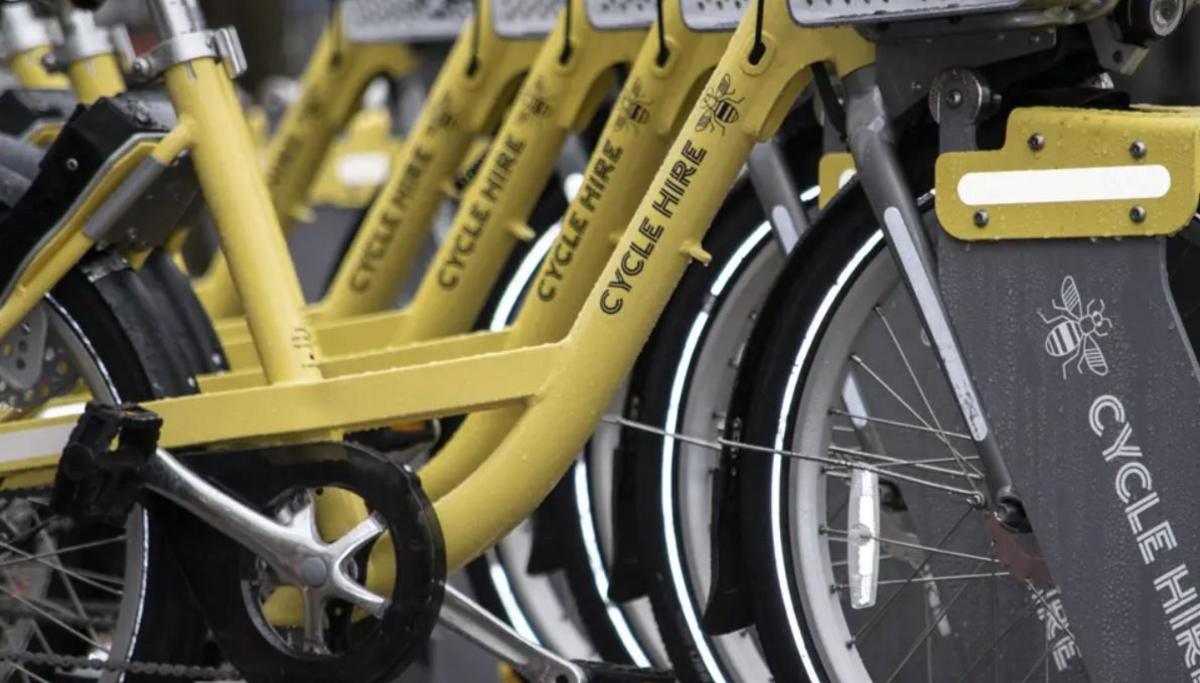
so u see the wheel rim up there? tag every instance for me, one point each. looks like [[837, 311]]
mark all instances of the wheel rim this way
[[938, 591], [84, 608], [701, 386]]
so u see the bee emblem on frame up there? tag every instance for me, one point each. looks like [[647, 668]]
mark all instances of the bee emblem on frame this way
[[720, 107], [634, 111], [1076, 329]]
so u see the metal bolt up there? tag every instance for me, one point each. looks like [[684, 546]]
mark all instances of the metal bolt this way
[[954, 98], [1137, 149], [141, 66], [313, 571], [1137, 214], [1037, 142], [981, 218], [72, 164]]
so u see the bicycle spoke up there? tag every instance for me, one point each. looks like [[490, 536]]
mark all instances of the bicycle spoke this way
[[929, 629], [874, 619], [920, 389], [61, 551], [933, 578], [892, 461], [902, 425], [56, 621], [997, 640], [48, 563], [887, 387], [841, 534]]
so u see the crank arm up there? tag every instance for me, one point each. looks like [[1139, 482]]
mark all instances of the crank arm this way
[[534, 662], [293, 549]]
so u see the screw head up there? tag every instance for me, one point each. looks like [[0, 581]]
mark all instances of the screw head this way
[[313, 571], [1137, 214], [140, 66], [981, 218], [72, 164], [954, 98], [1036, 142], [1138, 149]]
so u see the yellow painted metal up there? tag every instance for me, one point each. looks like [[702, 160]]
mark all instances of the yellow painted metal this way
[[1078, 139], [467, 99], [30, 71], [42, 133], [834, 171], [560, 95], [358, 162], [565, 386], [223, 155], [68, 243], [623, 306], [263, 414], [650, 108], [330, 94], [446, 348], [95, 77]]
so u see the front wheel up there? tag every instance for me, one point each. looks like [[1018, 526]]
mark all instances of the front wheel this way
[[858, 423]]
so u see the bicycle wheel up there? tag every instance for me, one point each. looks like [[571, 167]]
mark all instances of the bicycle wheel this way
[[73, 592], [560, 599], [696, 349], [850, 388]]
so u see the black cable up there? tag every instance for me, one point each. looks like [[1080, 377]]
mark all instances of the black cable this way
[[663, 53], [760, 48], [834, 112], [566, 51], [473, 65]]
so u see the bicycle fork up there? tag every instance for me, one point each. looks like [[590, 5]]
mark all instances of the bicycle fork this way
[[873, 147]]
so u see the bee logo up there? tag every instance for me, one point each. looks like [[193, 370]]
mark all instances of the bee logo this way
[[1076, 329], [634, 110], [534, 104], [720, 107], [443, 115]]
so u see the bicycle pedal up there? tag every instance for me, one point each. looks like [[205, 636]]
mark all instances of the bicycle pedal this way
[[607, 672], [96, 482]]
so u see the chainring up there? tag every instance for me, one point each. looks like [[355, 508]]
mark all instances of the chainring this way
[[216, 566]]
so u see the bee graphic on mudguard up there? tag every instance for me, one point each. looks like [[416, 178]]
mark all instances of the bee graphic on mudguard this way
[[719, 107], [634, 112], [534, 104], [1076, 330]]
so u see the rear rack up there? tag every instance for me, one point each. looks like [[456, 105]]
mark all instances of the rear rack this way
[[524, 18], [615, 15], [848, 12], [713, 15]]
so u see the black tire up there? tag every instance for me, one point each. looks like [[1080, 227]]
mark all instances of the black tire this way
[[741, 244], [114, 312], [117, 315], [824, 256], [843, 299]]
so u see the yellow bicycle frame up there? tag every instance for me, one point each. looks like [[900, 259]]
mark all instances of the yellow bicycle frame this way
[[462, 104], [561, 388]]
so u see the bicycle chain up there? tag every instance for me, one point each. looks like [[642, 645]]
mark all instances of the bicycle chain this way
[[190, 672], [185, 671]]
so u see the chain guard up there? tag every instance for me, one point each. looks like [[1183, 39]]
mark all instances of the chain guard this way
[[215, 565], [1093, 404]]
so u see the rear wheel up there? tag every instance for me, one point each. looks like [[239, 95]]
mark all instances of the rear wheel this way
[[76, 590]]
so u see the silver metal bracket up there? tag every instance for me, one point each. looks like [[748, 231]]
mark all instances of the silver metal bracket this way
[[222, 44], [533, 662], [20, 29], [83, 39]]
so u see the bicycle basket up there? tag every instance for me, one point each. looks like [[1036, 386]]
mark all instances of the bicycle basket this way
[[524, 18], [611, 15], [408, 21], [713, 15], [842, 12]]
